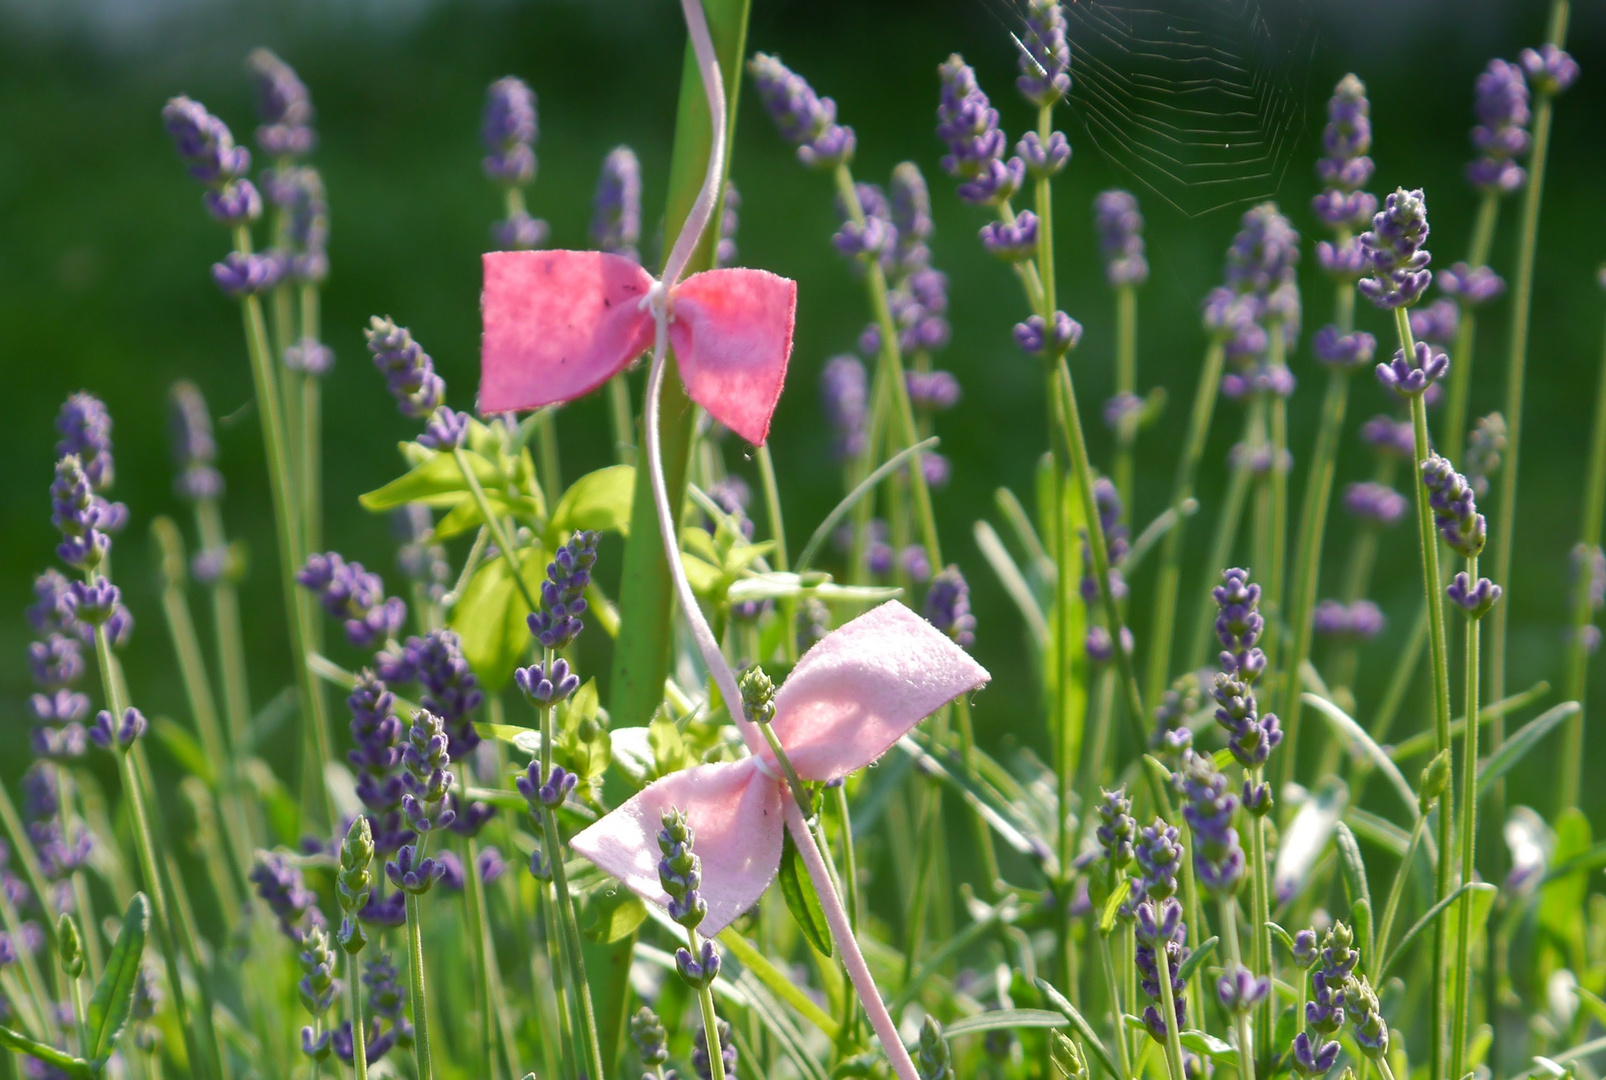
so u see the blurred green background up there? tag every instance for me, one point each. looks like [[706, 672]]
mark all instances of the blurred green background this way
[[105, 249]]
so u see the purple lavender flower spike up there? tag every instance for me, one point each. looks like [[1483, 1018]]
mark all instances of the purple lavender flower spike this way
[[616, 217], [1477, 599], [558, 621], [279, 883], [1035, 339], [204, 143], [1159, 857], [935, 391], [1264, 252], [1549, 68], [1471, 286], [968, 123], [1013, 241], [1044, 160], [1120, 228], [1485, 445], [549, 684], [412, 874], [948, 606], [1360, 620], [283, 105], [376, 733], [1240, 990], [1389, 436], [1436, 323], [520, 232], [1346, 140], [445, 430], [1045, 58], [299, 193], [729, 220], [1455, 511], [1101, 647], [194, 448], [238, 203], [1209, 808], [85, 427], [1314, 1059], [509, 131], [1343, 350], [1116, 829], [909, 210], [1500, 103], [1412, 377], [490, 865], [409, 372], [239, 275], [845, 394], [428, 780], [803, 118], [1251, 736], [353, 594], [552, 791], [1394, 247]]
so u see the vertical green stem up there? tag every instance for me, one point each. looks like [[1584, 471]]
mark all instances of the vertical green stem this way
[[1126, 382], [484, 956], [1380, 946], [1588, 541], [1117, 1010], [705, 1002], [1469, 815], [621, 419], [1461, 352], [311, 427], [1240, 1018], [359, 1033], [1221, 547], [1276, 572], [1260, 909], [1503, 521], [494, 524], [1428, 540], [226, 628], [422, 1060], [1168, 1005], [1162, 627]]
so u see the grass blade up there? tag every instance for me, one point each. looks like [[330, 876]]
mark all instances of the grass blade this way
[[1357, 735], [1089, 1036], [1515, 748], [1427, 920], [867, 485]]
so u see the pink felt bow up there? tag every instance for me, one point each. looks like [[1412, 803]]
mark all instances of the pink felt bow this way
[[558, 324], [848, 700]]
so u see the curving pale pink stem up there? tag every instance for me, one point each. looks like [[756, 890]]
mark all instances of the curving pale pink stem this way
[[836, 917]]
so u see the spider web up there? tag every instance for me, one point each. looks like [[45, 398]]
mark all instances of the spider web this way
[[1201, 102]]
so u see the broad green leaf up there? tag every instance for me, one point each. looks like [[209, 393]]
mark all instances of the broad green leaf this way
[[1354, 867], [1217, 1050], [1515, 748], [1112, 906], [1561, 899], [599, 500], [612, 914], [437, 482], [801, 899], [999, 1019], [113, 999], [184, 747], [20, 1043], [490, 617], [1197, 957], [465, 514], [669, 753]]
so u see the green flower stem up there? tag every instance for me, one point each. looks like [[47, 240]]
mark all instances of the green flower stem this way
[[1431, 582], [166, 931], [1112, 984], [1163, 625], [80, 1012], [1277, 483], [1260, 910], [422, 1060], [1240, 1019], [1502, 523], [298, 611], [1221, 546], [569, 939], [485, 958], [311, 427], [226, 628], [705, 1002], [1168, 1007], [1313, 523], [772, 505], [622, 420], [1594, 501], [38, 1022], [281, 313], [850, 859], [1461, 351], [1462, 1017], [646, 604], [494, 524], [359, 1033], [1126, 379]]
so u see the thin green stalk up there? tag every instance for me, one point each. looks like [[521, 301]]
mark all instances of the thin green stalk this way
[[1168, 1004], [485, 958], [38, 1019], [1380, 946], [621, 419], [226, 628], [494, 524], [1439, 649], [80, 1013], [1126, 380], [298, 612], [1123, 1050], [850, 858], [1240, 1018], [1594, 502], [1469, 816], [1221, 547], [311, 427], [1461, 351], [1260, 908], [1277, 570], [1502, 524], [1162, 628], [422, 1060], [772, 506], [1313, 525], [705, 1002], [359, 1032]]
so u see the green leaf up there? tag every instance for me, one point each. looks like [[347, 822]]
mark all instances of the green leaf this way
[[490, 616], [184, 747], [1089, 1036], [779, 983], [999, 1019], [669, 753], [1112, 906], [801, 899], [1013, 581], [827, 526], [1354, 867], [17, 1041], [1427, 920], [1217, 1050], [437, 482], [599, 500], [612, 914], [1281, 935], [113, 999], [1561, 899], [1515, 748], [1197, 957], [1357, 736]]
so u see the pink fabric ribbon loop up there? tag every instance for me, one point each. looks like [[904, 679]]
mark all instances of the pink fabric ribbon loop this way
[[559, 324]]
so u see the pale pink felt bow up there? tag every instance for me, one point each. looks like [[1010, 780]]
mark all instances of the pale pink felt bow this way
[[559, 324], [848, 700]]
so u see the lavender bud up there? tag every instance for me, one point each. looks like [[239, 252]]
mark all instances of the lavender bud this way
[[283, 105], [1335, 349], [1411, 377], [1390, 437], [108, 733], [1035, 339], [1120, 227], [1346, 140], [1476, 599], [204, 142], [1471, 285], [1549, 69], [803, 119], [235, 203], [509, 131], [1045, 58], [412, 874], [1455, 511], [1013, 241], [1313, 1059], [520, 232], [948, 606], [1394, 248], [1044, 161], [408, 370], [616, 217], [445, 430], [240, 275]]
